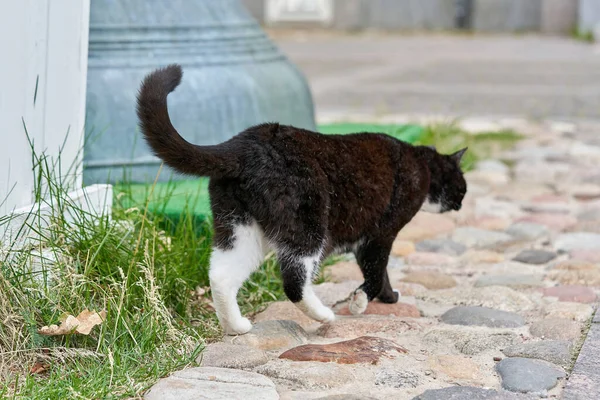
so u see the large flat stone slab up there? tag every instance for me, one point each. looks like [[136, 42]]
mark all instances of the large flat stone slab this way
[[213, 383], [313, 375], [466, 393], [584, 381]]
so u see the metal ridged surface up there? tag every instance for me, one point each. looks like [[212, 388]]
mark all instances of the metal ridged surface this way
[[234, 77]]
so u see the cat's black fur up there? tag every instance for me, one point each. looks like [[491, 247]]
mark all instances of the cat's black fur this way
[[308, 191]]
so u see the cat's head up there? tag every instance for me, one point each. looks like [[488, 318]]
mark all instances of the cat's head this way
[[448, 186]]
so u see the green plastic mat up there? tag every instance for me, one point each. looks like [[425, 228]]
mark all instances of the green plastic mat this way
[[176, 197]]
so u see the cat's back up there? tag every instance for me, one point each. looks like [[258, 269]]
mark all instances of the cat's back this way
[[287, 150]]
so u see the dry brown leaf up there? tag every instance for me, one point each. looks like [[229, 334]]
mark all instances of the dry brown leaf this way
[[39, 368], [88, 319], [82, 324]]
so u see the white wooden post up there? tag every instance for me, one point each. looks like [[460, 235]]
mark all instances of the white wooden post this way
[[44, 49]]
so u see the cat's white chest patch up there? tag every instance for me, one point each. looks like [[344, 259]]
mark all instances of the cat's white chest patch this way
[[431, 207]]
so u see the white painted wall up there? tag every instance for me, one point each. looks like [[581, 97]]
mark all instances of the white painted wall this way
[[43, 43], [589, 15], [299, 11]]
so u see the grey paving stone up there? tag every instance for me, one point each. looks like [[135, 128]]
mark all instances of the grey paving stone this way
[[555, 351], [482, 316], [577, 241], [480, 238], [444, 246], [527, 230], [556, 328], [526, 375], [533, 256]]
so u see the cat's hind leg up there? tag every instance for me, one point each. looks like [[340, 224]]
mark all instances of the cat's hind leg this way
[[372, 257], [297, 271], [237, 252]]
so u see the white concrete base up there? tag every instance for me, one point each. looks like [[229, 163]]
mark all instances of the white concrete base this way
[[25, 226]]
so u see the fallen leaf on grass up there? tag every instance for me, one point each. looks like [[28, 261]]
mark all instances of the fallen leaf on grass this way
[[82, 324], [38, 368]]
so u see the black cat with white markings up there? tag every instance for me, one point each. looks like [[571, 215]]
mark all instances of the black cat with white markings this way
[[303, 195]]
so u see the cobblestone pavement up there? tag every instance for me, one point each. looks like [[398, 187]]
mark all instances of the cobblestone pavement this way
[[527, 76], [496, 298]]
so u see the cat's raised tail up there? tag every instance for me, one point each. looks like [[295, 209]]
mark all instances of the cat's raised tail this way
[[166, 143]]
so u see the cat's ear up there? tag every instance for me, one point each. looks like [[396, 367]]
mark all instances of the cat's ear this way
[[432, 148], [458, 155]]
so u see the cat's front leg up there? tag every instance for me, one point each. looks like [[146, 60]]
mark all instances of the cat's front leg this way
[[388, 294], [372, 257]]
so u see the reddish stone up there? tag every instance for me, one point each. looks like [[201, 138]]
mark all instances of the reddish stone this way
[[592, 256], [365, 349], [575, 293], [550, 198], [402, 248], [491, 223], [554, 221], [587, 196], [379, 308], [426, 225], [343, 271]]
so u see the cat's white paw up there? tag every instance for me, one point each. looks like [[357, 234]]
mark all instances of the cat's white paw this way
[[238, 327], [399, 294], [358, 302], [325, 315]]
